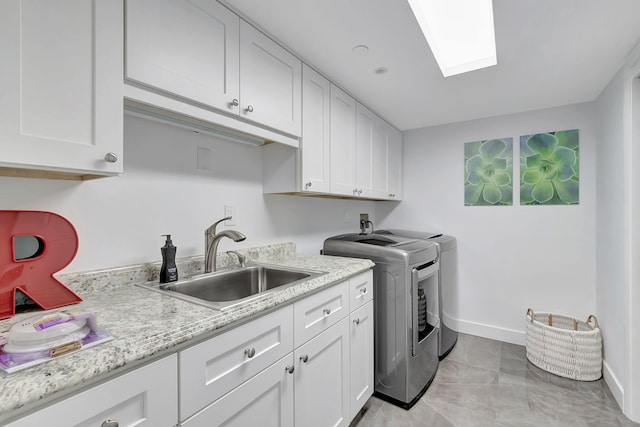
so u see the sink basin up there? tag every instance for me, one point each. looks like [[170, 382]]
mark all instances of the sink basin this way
[[226, 288]]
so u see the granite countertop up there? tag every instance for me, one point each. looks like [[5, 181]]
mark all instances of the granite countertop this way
[[147, 324]]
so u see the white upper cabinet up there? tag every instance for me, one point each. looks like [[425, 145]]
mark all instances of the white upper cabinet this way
[[189, 49], [61, 88], [365, 120], [395, 164], [198, 59], [315, 146], [343, 140], [270, 82], [346, 150]]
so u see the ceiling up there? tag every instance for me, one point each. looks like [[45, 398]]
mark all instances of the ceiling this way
[[550, 53]]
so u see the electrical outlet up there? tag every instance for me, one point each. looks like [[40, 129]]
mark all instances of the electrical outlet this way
[[364, 217], [230, 210], [203, 159]]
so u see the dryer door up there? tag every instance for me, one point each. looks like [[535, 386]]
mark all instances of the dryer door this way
[[425, 318]]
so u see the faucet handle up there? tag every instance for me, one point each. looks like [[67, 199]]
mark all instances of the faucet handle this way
[[241, 258], [212, 228]]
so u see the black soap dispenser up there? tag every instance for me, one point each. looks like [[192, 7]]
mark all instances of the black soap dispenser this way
[[168, 271]]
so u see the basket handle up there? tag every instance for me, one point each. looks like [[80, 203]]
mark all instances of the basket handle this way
[[595, 321], [530, 314]]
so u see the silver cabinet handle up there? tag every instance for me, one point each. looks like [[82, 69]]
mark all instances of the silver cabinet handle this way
[[360, 191], [326, 311], [355, 191], [110, 423], [250, 352], [304, 358], [363, 290], [234, 103], [356, 321], [249, 109], [289, 369], [308, 184], [111, 157]]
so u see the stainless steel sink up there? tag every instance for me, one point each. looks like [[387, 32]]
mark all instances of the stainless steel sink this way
[[226, 288]]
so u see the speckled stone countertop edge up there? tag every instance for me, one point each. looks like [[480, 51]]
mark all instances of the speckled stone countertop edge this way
[[160, 326]]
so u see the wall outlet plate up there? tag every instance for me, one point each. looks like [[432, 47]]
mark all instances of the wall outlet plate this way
[[230, 210]]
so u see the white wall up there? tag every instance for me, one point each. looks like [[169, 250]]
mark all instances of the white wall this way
[[610, 232], [510, 257], [119, 220]]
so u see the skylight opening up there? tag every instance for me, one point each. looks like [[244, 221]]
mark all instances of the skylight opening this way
[[460, 33]]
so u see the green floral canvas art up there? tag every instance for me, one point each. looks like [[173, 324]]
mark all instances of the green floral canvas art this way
[[549, 168], [488, 172]]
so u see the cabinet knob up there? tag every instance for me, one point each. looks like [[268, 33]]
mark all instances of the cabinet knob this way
[[304, 358], [355, 191], [250, 352], [308, 184], [326, 311], [359, 191], [111, 157], [249, 109], [234, 103], [110, 423], [356, 321], [363, 290], [289, 369]]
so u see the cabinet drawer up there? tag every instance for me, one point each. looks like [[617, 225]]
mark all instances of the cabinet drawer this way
[[360, 290], [316, 313], [211, 369], [145, 397]]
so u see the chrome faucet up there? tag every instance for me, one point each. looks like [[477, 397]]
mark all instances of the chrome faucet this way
[[211, 241]]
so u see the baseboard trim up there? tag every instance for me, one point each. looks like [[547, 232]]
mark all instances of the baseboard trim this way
[[614, 385], [492, 332]]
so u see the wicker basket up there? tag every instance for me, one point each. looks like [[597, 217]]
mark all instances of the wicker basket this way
[[565, 346]]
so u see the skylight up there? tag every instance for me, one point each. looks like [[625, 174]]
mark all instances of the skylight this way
[[459, 32]]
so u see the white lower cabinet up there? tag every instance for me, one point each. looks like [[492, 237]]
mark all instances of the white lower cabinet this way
[[360, 357], [294, 366], [214, 367], [265, 400], [306, 364], [322, 378], [147, 396]]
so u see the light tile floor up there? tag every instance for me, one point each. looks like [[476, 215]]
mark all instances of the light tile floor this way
[[486, 383]]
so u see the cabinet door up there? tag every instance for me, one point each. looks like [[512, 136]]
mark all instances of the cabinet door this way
[[147, 396], [380, 159], [395, 164], [187, 48], [61, 85], [364, 150], [343, 139], [270, 82], [266, 400], [361, 358], [322, 378], [316, 132]]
